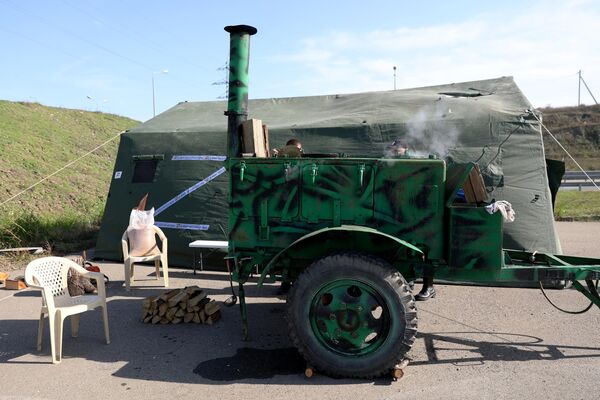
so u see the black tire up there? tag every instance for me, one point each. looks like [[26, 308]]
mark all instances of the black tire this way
[[372, 282]]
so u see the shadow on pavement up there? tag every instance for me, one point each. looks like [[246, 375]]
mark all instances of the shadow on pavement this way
[[476, 348], [216, 354]]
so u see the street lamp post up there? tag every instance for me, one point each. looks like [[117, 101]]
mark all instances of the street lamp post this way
[[164, 71]]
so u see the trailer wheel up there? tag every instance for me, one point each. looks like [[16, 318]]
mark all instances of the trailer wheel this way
[[352, 315]]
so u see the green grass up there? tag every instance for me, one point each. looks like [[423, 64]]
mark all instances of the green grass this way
[[577, 206], [62, 213]]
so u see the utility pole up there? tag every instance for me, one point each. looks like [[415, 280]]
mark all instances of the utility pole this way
[[394, 77], [579, 89]]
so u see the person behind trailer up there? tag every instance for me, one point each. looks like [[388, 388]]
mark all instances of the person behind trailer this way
[[293, 148], [400, 148]]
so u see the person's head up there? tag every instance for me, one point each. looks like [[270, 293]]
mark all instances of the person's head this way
[[398, 147], [294, 142]]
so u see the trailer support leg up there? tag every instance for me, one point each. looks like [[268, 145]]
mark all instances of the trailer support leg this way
[[591, 292], [244, 312]]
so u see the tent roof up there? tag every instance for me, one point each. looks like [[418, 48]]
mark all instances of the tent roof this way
[[469, 101]]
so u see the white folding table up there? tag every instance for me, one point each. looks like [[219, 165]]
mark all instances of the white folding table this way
[[200, 245]]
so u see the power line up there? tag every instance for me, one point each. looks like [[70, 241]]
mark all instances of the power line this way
[[42, 44], [47, 45], [48, 22], [70, 33], [155, 46]]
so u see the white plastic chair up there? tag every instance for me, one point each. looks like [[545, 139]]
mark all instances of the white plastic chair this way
[[49, 274], [161, 258]]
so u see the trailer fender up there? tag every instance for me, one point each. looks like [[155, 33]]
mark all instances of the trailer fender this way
[[313, 244]]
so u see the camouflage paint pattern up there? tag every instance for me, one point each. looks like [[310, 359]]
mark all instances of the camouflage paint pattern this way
[[287, 212], [276, 201]]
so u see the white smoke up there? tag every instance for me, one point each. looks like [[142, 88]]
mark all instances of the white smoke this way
[[431, 131]]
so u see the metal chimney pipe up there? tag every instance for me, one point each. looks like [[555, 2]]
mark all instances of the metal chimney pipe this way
[[237, 103]]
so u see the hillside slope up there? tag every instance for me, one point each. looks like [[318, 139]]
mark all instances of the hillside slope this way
[[578, 130], [35, 141]]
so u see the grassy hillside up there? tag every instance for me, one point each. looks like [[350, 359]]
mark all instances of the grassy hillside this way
[[35, 141], [578, 130]]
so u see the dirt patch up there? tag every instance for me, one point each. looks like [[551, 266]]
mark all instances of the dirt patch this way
[[16, 261]]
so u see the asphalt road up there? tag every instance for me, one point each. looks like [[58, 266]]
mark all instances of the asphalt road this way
[[473, 343]]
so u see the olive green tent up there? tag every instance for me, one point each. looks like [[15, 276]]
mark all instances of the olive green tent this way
[[177, 157]]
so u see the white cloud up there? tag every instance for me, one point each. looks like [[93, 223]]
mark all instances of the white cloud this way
[[542, 46]]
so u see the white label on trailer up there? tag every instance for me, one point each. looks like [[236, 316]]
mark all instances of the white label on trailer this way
[[118, 174]]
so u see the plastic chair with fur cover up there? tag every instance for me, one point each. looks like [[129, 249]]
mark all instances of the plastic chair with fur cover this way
[[49, 274], [144, 249]]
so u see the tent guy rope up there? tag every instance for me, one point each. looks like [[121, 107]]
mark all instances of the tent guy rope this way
[[565, 150], [60, 169]]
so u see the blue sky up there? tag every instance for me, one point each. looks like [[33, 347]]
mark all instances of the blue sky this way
[[102, 54]]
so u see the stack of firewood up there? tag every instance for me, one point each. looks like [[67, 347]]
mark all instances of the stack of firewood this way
[[189, 304]]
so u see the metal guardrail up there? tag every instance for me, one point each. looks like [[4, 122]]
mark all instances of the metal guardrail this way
[[579, 180]]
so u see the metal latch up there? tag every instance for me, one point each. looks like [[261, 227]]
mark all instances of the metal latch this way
[[361, 174], [314, 171], [242, 169]]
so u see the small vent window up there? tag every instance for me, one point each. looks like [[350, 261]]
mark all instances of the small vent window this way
[[144, 171]]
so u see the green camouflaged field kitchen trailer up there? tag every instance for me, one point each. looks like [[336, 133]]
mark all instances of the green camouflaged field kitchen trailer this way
[[177, 157]]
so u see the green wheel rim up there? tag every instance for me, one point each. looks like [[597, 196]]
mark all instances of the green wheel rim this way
[[349, 317]]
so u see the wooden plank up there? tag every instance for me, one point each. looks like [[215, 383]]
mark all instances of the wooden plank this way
[[181, 296], [191, 290], [474, 187], [212, 308], [253, 140], [170, 314], [166, 296], [197, 299], [203, 303], [196, 318], [162, 309], [266, 140]]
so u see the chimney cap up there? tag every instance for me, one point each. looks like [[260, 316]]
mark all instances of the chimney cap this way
[[250, 30]]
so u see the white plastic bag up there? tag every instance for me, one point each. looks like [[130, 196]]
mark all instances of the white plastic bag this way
[[141, 219], [141, 233]]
